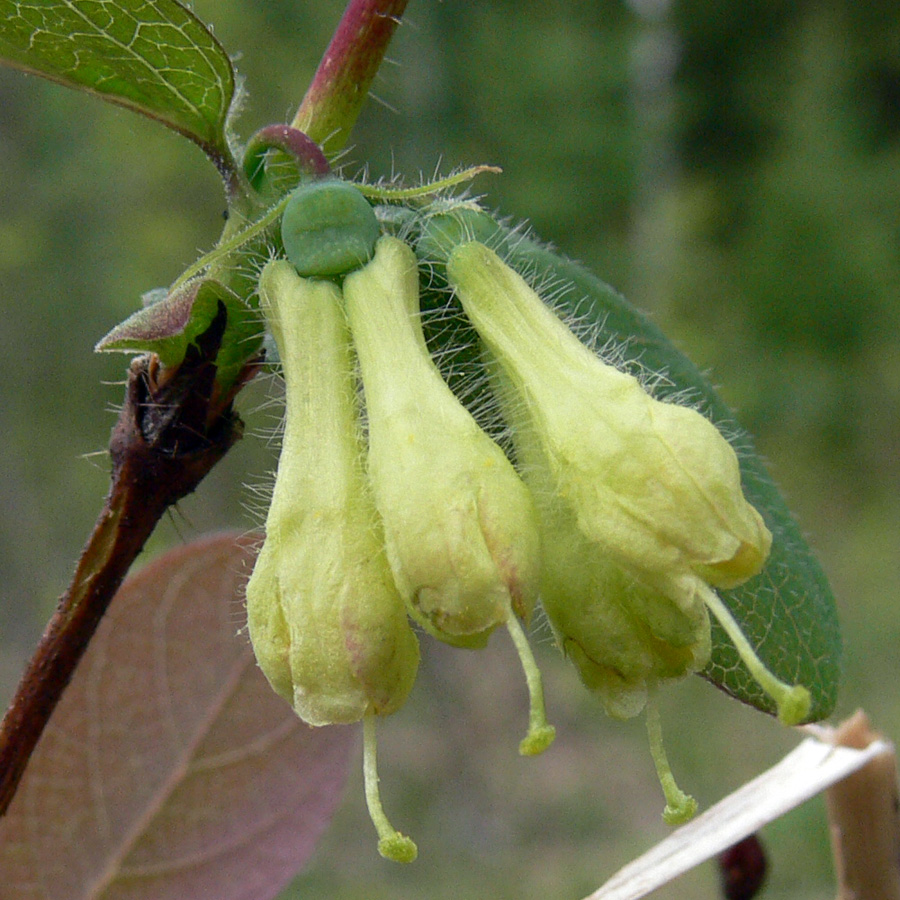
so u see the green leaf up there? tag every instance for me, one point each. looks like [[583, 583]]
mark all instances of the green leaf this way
[[170, 325], [153, 56], [787, 612]]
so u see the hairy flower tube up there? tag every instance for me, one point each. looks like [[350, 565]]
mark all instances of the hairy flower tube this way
[[460, 527], [640, 501], [327, 623]]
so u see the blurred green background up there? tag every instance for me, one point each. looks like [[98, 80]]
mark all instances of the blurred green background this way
[[732, 166]]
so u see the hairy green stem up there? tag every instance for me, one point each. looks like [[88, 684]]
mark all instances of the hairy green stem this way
[[424, 192], [230, 244]]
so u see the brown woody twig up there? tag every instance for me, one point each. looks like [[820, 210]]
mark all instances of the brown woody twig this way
[[173, 428]]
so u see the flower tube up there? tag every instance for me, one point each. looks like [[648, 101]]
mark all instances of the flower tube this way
[[327, 624], [460, 527]]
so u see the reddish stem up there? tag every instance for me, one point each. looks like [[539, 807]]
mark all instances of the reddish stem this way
[[341, 83], [305, 153]]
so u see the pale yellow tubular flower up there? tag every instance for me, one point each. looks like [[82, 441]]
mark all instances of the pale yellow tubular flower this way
[[460, 528], [655, 482], [641, 503], [623, 637], [327, 623]]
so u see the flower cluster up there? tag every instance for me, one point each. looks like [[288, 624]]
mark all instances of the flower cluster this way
[[640, 502], [623, 514]]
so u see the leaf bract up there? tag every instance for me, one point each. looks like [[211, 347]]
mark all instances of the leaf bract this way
[[170, 325]]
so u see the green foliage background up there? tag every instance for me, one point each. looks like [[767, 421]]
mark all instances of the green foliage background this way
[[733, 167]]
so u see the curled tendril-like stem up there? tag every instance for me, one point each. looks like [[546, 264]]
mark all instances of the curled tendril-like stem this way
[[306, 153]]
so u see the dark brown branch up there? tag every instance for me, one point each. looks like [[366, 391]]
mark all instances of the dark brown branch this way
[[173, 428]]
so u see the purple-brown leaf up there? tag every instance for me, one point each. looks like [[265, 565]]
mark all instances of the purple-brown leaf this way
[[170, 769]]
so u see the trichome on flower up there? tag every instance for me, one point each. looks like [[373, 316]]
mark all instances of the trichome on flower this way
[[641, 506]]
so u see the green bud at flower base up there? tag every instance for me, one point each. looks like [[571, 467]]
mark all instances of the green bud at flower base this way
[[460, 527], [641, 506], [328, 228], [327, 624]]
